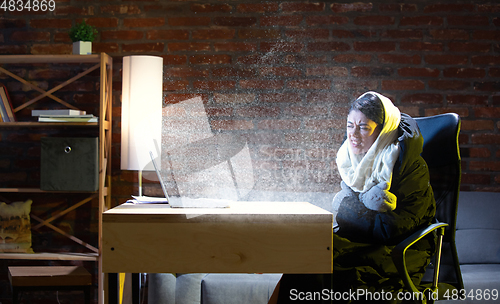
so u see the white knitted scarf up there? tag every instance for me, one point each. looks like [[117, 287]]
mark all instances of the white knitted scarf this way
[[363, 172]]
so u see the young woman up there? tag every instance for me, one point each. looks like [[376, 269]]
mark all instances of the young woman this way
[[385, 196]]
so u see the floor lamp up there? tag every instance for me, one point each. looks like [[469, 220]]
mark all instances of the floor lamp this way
[[142, 96]]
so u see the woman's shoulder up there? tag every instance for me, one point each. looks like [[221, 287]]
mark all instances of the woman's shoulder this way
[[410, 138]]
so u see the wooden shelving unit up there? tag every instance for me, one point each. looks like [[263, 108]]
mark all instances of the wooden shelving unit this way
[[104, 63]]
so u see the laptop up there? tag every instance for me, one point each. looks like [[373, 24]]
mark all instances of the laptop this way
[[181, 202]]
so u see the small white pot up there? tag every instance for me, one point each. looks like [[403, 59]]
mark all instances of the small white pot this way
[[82, 48]]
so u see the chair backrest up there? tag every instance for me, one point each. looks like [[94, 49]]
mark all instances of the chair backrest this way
[[442, 155]]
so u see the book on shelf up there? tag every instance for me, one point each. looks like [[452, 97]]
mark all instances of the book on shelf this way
[[68, 118], [57, 112], [6, 109]]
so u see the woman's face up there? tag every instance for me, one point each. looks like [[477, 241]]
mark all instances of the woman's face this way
[[361, 132]]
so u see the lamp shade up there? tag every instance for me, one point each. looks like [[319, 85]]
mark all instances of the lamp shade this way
[[142, 93]]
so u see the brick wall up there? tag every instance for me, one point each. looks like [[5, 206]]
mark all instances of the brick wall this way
[[281, 73]]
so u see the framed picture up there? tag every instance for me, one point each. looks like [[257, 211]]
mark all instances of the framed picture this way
[[6, 110]]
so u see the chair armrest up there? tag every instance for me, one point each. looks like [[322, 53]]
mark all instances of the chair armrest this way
[[398, 253]]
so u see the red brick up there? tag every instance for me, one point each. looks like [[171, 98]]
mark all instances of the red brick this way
[[235, 47], [418, 72], [399, 59], [143, 22], [403, 85], [261, 84], [47, 74], [121, 9], [211, 111], [143, 47], [397, 7], [304, 59], [496, 21], [279, 124], [421, 21], [280, 47], [374, 20], [73, 10], [303, 6], [100, 47], [210, 59], [30, 36], [188, 46], [486, 166], [258, 111], [371, 71], [310, 84], [365, 85], [50, 23], [174, 59], [12, 23], [445, 8], [343, 34], [308, 138], [308, 34], [403, 34], [170, 34], [486, 35], [339, 99], [49, 49], [185, 72], [209, 34], [121, 35], [471, 178], [464, 73], [327, 71], [175, 85], [260, 60], [462, 112], [374, 46], [473, 152], [325, 124], [488, 8], [477, 125], [350, 58], [234, 72], [449, 34], [489, 86], [176, 98], [422, 98], [351, 7], [447, 59], [467, 99], [234, 98], [280, 71], [326, 20], [211, 8], [293, 20], [486, 112], [448, 84], [494, 72], [469, 47], [231, 125], [189, 21], [421, 46], [331, 46], [469, 21], [280, 97], [258, 7], [485, 60], [258, 33], [235, 21], [102, 22], [214, 85]]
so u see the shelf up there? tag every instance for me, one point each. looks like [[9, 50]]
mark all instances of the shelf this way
[[16, 59], [50, 256], [22, 124], [37, 190]]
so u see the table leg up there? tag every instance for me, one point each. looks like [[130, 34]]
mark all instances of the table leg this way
[[112, 288]]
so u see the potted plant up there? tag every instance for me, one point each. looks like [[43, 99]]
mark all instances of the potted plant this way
[[82, 36]]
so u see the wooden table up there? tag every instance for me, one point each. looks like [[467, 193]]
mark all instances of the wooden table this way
[[247, 237]]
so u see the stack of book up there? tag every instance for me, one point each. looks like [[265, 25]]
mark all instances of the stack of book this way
[[6, 110], [64, 115]]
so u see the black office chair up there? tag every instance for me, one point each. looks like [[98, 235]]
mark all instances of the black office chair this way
[[441, 152]]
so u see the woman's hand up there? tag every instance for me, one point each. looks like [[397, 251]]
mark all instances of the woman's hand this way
[[378, 198]]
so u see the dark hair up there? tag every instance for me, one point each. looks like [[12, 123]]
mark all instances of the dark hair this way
[[371, 106]]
